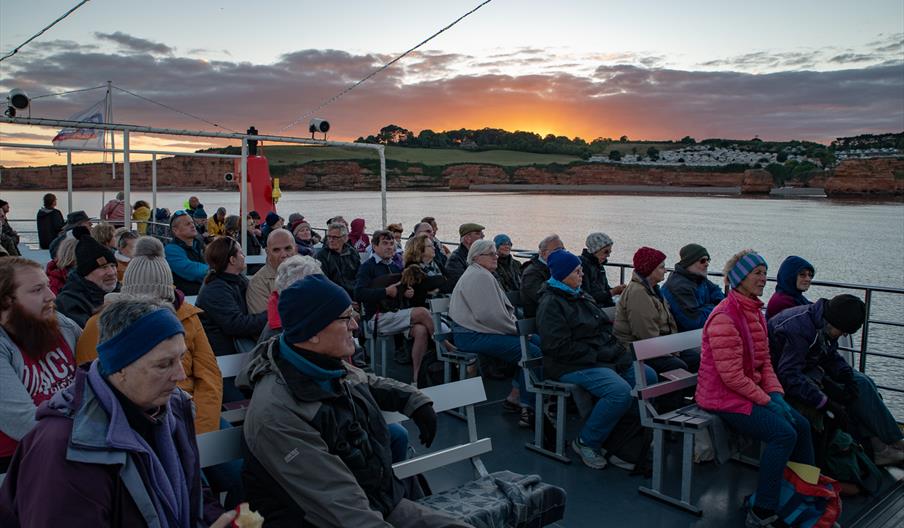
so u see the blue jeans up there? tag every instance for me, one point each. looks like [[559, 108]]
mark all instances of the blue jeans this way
[[784, 441], [398, 442], [869, 414], [505, 347], [614, 399], [227, 477]]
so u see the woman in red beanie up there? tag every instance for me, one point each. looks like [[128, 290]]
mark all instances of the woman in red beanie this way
[[643, 313]]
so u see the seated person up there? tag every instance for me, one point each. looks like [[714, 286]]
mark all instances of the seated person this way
[[304, 238], [739, 385], [280, 246], [69, 474], [357, 237], [458, 261], [37, 349], [125, 247], [508, 270], [290, 271], [804, 345], [442, 252], [94, 277], [199, 217], [596, 253], [794, 277], [421, 272], [691, 296], [59, 268], [318, 448], [185, 254], [535, 273], [340, 261], [642, 313], [377, 297], [484, 323], [578, 347]]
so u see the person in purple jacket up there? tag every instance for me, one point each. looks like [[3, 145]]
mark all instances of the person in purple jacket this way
[[793, 279], [117, 447]]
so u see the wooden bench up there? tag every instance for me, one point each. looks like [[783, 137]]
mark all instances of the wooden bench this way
[[230, 366], [688, 420]]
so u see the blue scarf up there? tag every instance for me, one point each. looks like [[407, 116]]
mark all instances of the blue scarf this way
[[321, 376], [555, 283], [787, 278]]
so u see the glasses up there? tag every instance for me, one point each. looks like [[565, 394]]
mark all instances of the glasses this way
[[491, 255], [704, 260], [347, 318]]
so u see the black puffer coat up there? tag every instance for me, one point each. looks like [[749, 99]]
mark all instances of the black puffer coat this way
[[595, 282], [226, 316], [341, 268]]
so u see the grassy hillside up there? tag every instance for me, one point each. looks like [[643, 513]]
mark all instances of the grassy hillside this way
[[284, 155]]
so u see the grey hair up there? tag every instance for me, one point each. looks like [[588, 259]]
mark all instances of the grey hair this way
[[421, 224], [121, 313], [120, 195], [65, 256], [544, 244], [295, 268], [343, 231], [480, 247]]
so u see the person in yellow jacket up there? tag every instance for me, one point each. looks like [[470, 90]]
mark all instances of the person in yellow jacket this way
[[141, 213], [216, 224], [148, 274]]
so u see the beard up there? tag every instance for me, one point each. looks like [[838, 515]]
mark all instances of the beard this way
[[35, 336]]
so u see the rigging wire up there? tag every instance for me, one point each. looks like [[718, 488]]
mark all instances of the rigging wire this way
[[175, 109], [39, 33], [69, 92], [334, 98]]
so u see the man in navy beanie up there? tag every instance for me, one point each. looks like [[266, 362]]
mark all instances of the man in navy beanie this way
[[318, 448]]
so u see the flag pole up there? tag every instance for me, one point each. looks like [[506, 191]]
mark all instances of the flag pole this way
[[108, 118]]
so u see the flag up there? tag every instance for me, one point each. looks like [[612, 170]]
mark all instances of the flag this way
[[83, 137]]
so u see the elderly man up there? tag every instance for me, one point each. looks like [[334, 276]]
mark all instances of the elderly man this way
[[117, 447], [458, 260], [319, 449], [37, 349], [280, 246], [596, 253], [185, 254], [94, 277], [691, 296], [803, 342], [340, 261], [535, 273]]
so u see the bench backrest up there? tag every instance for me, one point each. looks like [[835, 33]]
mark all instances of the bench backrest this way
[[526, 327], [439, 308], [656, 347], [231, 364]]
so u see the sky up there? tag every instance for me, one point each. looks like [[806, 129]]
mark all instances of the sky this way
[[778, 70]]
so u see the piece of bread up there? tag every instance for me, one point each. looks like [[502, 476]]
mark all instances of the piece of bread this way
[[246, 518]]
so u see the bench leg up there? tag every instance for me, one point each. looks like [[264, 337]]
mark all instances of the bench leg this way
[[372, 350], [687, 466], [539, 425], [560, 425], [383, 347]]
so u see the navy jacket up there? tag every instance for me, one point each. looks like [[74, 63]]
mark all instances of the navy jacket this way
[[691, 298], [226, 316], [802, 352], [364, 293]]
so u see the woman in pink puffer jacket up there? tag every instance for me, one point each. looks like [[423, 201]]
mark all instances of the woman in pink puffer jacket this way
[[736, 382]]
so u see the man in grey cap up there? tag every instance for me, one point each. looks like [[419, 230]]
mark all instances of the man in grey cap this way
[[596, 253], [458, 260], [691, 296]]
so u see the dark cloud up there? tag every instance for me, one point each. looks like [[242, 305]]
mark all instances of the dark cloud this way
[[60, 45], [848, 58], [765, 59], [136, 44]]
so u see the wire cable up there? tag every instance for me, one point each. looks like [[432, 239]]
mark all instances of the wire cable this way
[[133, 94], [69, 92], [39, 33], [334, 98]]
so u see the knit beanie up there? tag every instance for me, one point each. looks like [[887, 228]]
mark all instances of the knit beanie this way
[[148, 272], [502, 239], [647, 259], [845, 312], [597, 241], [310, 305], [691, 253], [743, 267], [561, 263], [89, 253], [272, 218]]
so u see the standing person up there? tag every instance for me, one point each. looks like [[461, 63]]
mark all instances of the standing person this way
[[357, 237], [73, 220], [794, 278], [9, 235], [736, 381], [36, 350], [578, 347], [226, 317], [642, 312], [280, 246], [49, 220], [458, 261], [690, 294], [535, 273], [137, 462], [185, 254], [216, 224], [508, 270], [141, 213], [339, 260], [114, 211], [125, 247], [94, 277], [58, 269], [597, 249]]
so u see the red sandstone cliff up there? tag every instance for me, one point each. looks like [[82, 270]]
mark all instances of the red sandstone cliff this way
[[879, 176]]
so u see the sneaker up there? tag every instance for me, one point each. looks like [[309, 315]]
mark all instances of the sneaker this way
[[527, 417], [752, 521], [619, 463], [592, 458], [888, 456]]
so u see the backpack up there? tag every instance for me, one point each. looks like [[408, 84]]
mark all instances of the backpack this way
[[804, 504], [846, 461], [432, 371], [630, 441]]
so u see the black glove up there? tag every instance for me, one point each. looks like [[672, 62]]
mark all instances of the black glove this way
[[834, 390], [425, 419], [840, 414]]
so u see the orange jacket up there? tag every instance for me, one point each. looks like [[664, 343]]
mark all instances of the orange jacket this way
[[202, 375]]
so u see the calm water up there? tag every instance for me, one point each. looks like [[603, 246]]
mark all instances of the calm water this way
[[854, 242]]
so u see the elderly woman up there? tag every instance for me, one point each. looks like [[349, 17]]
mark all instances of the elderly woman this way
[[105, 233], [58, 269], [125, 248], [736, 381], [484, 321], [794, 277], [137, 464], [579, 348], [289, 271], [508, 271], [304, 238], [642, 312]]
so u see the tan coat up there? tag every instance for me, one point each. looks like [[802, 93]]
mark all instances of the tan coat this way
[[641, 314], [202, 375], [260, 287]]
